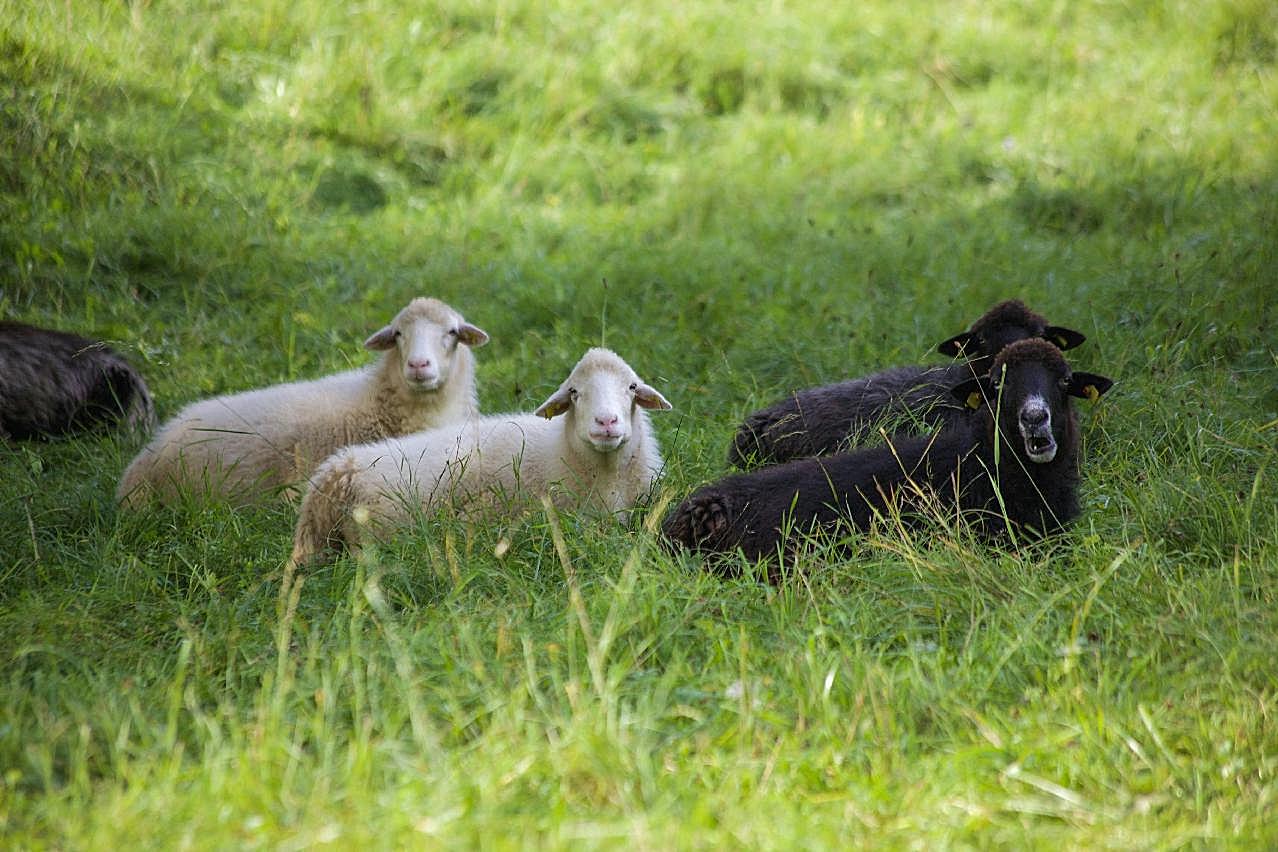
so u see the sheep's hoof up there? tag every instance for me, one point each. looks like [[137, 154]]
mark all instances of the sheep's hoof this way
[[709, 517]]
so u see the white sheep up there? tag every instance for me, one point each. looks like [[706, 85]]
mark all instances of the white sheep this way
[[249, 444], [602, 453]]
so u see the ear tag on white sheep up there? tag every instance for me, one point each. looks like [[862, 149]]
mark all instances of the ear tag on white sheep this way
[[974, 400]]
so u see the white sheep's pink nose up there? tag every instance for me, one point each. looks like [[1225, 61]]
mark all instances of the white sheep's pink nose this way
[[421, 370], [607, 421]]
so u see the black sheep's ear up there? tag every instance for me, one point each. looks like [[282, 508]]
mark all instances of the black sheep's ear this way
[[973, 392], [957, 345], [1089, 385], [1064, 338]]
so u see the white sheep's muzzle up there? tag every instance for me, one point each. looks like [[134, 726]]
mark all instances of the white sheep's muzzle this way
[[422, 380], [602, 410], [606, 431], [605, 442], [426, 356]]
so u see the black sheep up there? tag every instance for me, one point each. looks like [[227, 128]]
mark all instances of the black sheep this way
[[1024, 473], [904, 400], [53, 383]]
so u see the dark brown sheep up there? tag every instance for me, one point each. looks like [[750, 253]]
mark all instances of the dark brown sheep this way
[[903, 400], [53, 383], [1014, 463]]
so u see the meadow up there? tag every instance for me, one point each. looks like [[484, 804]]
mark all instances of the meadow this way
[[741, 199]]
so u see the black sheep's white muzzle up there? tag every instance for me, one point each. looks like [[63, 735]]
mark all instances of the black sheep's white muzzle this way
[[1036, 431]]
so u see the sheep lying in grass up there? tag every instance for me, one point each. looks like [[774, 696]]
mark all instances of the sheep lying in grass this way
[[909, 400], [1014, 462], [601, 453], [54, 383], [249, 444]]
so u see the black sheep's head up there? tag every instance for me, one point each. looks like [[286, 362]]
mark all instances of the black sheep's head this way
[[1000, 327], [1027, 392]]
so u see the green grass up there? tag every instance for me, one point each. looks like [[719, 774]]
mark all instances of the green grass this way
[[741, 199]]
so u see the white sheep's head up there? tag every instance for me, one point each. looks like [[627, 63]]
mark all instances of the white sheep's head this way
[[426, 334], [600, 398]]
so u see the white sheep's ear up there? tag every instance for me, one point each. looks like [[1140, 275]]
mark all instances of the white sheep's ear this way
[[648, 397], [557, 404], [381, 340], [472, 335]]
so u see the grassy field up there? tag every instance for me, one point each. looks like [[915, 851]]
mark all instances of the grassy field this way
[[741, 199]]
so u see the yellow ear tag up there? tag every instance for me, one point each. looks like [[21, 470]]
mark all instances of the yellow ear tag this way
[[1092, 393], [1061, 342], [974, 399]]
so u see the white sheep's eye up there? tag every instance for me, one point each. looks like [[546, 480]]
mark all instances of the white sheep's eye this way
[[452, 332], [572, 393], [398, 334], [634, 387]]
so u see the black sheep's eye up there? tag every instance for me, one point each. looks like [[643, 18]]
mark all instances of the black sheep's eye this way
[[1063, 382]]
